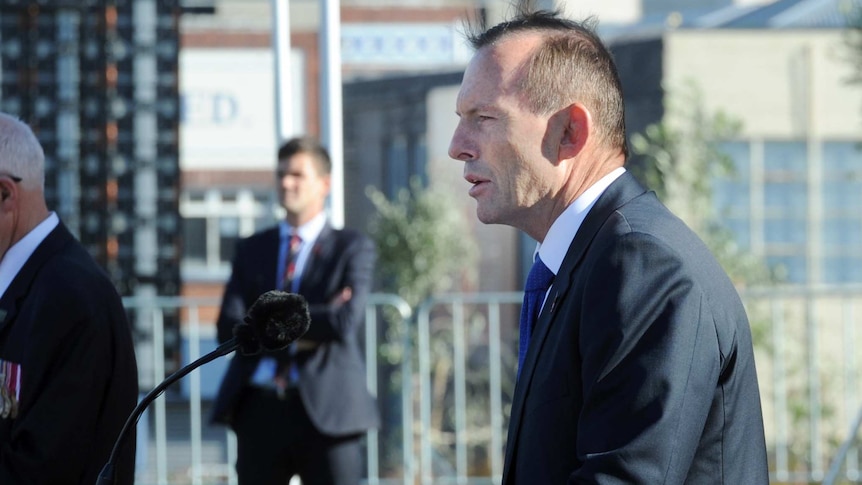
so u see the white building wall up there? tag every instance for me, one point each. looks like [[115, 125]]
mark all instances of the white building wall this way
[[607, 11], [228, 111], [228, 115], [780, 84]]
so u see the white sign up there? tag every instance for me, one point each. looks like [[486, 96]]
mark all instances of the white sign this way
[[396, 45], [228, 108]]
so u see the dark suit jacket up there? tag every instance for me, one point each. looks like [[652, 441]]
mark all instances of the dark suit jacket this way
[[332, 377], [641, 367], [64, 323]]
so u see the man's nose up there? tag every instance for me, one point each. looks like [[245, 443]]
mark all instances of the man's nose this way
[[458, 147]]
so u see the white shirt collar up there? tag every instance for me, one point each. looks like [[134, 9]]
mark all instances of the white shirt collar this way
[[21, 251], [556, 244], [308, 232]]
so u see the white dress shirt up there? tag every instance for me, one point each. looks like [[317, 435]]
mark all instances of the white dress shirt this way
[[562, 232], [21, 251], [308, 233]]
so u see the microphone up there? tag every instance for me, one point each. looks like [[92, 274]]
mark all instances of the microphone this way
[[273, 322], [276, 319]]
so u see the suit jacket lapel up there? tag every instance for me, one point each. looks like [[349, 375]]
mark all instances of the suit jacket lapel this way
[[319, 252], [621, 191], [269, 251], [19, 288]]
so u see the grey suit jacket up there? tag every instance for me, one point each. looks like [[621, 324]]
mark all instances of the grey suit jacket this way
[[641, 367], [332, 377]]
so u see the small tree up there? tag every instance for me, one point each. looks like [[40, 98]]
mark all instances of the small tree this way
[[424, 248], [423, 242], [853, 40]]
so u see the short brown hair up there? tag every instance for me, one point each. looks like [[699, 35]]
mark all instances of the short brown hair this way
[[310, 145], [572, 64]]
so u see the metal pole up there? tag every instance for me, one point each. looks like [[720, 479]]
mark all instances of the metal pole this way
[[495, 367], [835, 467], [195, 413], [330, 103], [161, 412], [459, 355], [281, 56], [371, 436]]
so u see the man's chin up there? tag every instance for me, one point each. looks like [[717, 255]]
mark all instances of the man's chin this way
[[486, 217]]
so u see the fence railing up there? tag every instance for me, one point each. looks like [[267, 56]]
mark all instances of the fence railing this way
[[444, 375], [808, 340]]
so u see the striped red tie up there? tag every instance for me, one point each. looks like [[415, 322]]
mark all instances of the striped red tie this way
[[290, 268]]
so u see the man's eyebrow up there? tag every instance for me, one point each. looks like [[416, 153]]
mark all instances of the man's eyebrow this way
[[475, 109]]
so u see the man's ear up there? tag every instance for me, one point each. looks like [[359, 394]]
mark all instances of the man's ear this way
[[327, 183], [576, 131], [8, 191]]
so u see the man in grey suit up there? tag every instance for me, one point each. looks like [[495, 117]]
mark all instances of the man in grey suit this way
[[638, 365], [302, 411]]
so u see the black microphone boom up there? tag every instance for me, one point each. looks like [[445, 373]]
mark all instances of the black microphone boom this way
[[273, 322]]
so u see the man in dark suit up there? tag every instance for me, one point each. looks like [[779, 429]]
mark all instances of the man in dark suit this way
[[301, 411], [638, 365], [68, 378]]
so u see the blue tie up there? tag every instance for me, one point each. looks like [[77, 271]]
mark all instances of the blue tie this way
[[538, 282]]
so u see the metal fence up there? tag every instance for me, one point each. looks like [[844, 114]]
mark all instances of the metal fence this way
[[444, 374]]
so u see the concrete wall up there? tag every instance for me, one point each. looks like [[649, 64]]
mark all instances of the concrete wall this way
[[780, 84]]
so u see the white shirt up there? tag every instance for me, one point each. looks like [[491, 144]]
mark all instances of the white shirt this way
[[308, 233], [562, 232], [21, 251]]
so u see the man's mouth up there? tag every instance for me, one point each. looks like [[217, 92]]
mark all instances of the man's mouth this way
[[478, 184]]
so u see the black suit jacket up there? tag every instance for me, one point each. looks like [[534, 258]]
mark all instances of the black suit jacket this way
[[332, 377], [64, 323], [641, 367]]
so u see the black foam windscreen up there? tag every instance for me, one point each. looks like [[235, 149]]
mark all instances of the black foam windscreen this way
[[277, 318]]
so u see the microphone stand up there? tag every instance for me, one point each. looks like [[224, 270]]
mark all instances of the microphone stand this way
[[106, 476]]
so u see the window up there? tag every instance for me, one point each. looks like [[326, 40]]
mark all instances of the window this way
[[768, 207], [213, 222], [228, 232], [842, 235], [791, 269], [842, 159], [785, 159], [841, 217], [842, 180], [842, 198], [838, 270], [785, 207], [194, 239], [419, 160], [397, 165], [731, 194], [785, 232], [740, 229]]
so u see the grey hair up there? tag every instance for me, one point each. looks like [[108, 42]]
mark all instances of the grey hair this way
[[21, 154], [571, 64]]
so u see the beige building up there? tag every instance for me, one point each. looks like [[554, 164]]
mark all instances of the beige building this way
[[796, 201]]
